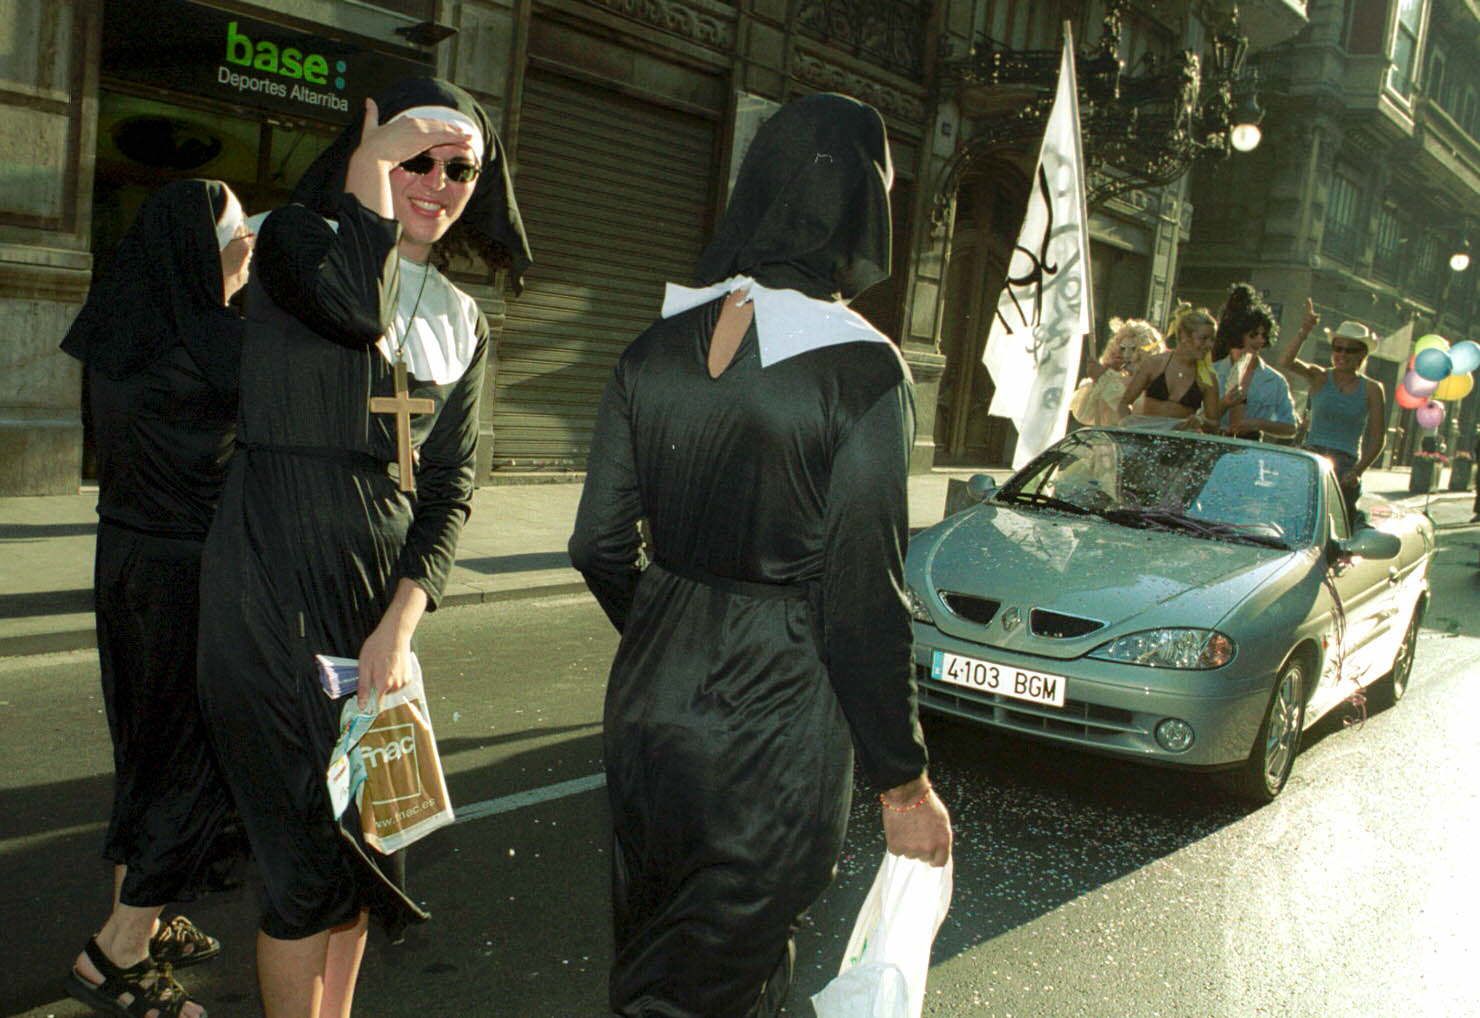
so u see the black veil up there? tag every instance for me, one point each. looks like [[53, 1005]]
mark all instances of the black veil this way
[[489, 227], [163, 286], [810, 208]]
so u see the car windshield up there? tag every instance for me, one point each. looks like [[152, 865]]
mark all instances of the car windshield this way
[[1256, 494]]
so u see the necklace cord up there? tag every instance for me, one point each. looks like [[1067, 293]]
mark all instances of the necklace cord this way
[[400, 347]]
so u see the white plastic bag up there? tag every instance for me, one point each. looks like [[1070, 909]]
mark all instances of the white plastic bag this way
[[888, 956]]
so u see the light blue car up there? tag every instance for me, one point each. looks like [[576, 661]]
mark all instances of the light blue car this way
[[1176, 598]]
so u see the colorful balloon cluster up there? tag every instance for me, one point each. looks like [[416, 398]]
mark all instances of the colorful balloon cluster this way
[[1437, 371]]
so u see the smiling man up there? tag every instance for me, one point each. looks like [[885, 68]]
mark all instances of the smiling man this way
[[361, 371]]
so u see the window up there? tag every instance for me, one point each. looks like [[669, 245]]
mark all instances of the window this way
[[1341, 217], [1023, 24], [1336, 507], [1433, 82], [1431, 267], [1387, 259], [1405, 47]]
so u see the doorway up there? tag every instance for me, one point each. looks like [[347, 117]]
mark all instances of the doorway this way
[[989, 212]]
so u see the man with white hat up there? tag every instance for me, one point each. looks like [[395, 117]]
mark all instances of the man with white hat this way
[[1346, 406]]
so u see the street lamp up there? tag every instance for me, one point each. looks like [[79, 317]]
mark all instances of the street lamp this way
[[1460, 260], [1142, 127], [1246, 135]]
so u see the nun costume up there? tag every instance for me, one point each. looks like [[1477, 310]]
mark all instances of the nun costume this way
[[316, 527], [162, 351], [769, 635]]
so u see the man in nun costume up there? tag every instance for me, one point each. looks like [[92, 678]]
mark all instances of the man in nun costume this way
[[318, 547], [162, 349], [762, 429]]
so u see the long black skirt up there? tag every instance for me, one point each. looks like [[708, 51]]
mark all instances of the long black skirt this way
[[170, 804], [729, 768]]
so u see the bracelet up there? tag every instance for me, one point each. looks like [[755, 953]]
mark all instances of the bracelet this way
[[905, 809]]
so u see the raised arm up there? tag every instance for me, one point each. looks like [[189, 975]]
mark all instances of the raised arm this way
[[339, 280], [1138, 382], [1285, 360]]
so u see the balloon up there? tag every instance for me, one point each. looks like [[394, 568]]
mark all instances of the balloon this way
[[1407, 400], [1430, 342], [1417, 385], [1464, 357], [1430, 415], [1455, 387], [1433, 364]]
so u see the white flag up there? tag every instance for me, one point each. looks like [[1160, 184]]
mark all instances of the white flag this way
[[1045, 309]]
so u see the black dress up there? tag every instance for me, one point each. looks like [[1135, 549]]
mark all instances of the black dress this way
[[770, 625], [161, 351], [163, 439], [311, 539]]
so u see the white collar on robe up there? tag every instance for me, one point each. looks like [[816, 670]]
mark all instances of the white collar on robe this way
[[441, 339], [787, 322]]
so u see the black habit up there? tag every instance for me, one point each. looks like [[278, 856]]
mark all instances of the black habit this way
[[314, 535], [162, 352], [770, 634]]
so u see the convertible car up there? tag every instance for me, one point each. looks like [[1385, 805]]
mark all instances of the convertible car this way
[[1180, 599]]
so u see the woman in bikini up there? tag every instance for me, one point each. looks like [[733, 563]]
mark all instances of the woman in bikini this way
[[1177, 390]]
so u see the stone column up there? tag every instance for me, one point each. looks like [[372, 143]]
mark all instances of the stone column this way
[[48, 117], [486, 57]]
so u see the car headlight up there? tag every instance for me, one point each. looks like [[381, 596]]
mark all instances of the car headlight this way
[[919, 610], [1191, 649]]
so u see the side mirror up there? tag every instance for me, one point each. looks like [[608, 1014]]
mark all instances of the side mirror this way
[[1370, 544], [981, 486]]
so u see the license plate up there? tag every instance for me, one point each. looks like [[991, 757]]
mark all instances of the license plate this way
[[1004, 680]]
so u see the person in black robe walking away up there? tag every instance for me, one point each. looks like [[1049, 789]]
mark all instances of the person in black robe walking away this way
[[162, 349], [318, 548], [763, 430]]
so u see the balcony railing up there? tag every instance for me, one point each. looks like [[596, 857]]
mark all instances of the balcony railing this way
[[886, 33]]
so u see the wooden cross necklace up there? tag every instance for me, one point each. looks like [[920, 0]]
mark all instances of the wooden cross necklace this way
[[401, 404]]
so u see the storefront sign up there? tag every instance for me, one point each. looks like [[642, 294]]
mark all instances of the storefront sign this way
[[189, 47]]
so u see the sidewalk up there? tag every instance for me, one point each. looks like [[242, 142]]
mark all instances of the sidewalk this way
[[512, 547]]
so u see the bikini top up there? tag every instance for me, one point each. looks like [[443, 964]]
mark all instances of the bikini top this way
[[1191, 399]]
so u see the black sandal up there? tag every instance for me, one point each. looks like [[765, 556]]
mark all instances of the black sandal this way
[[181, 943], [149, 985]]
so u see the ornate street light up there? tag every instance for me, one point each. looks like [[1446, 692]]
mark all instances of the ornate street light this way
[[1140, 130], [1460, 260]]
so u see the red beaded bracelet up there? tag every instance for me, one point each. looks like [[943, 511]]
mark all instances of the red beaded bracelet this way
[[904, 809]]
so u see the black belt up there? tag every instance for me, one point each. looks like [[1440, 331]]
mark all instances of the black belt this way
[[730, 585], [351, 459]]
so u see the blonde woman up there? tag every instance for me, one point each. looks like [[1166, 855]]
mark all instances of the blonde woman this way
[[1177, 390], [1097, 400]]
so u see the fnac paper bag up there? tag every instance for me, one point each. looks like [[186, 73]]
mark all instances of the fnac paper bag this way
[[404, 797]]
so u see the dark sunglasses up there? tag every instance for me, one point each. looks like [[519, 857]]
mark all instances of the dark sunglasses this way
[[459, 171], [1343, 348]]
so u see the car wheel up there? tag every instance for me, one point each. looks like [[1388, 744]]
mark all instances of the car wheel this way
[[1391, 687], [1264, 774]]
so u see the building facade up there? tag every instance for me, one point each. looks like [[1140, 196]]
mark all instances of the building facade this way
[[1367, 183], [625, 121]]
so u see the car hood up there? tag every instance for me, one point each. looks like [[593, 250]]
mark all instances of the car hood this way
[[1121, 578]]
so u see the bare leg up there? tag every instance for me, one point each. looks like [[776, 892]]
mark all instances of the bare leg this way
[[346, 948], [290, 975], [124, 938]]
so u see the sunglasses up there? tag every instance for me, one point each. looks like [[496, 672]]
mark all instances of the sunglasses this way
[[459, 171], [1344, 348]]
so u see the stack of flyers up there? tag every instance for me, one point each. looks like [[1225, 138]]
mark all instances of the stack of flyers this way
[[340, 676]]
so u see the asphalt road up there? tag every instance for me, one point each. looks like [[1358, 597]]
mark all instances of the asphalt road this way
[[1083, 886]]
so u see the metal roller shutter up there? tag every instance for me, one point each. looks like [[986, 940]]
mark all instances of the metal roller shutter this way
[[615, 198]]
